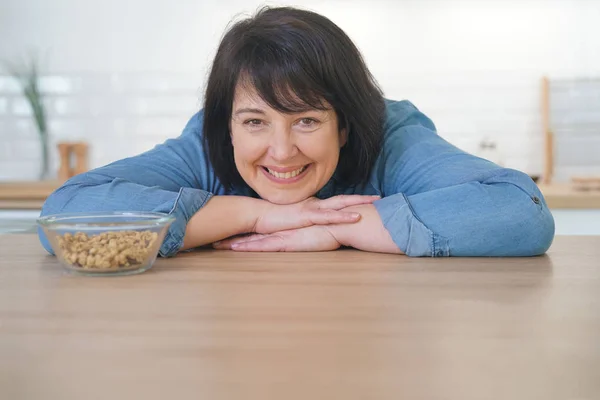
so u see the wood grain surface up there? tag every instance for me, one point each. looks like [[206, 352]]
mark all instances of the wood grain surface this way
[[336, 325]]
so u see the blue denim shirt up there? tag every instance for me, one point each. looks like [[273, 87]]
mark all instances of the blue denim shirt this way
[[437, 200]]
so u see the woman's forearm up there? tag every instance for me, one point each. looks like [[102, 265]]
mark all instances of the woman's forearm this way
[[367, 234], [220, 218]]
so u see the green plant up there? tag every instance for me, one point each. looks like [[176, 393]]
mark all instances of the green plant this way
[[27, 75]]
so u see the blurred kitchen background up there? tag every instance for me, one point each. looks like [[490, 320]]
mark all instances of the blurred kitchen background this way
[[514, 81]]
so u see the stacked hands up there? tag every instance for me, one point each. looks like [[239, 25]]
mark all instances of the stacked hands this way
[[310, 225]]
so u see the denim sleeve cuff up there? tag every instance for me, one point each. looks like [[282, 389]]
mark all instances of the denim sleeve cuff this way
[[187, 203], [408, 232]]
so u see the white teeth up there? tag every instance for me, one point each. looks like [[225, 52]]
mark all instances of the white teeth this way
[[286, 175]]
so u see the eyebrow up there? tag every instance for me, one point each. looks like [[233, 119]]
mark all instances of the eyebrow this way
[[261, 111], [249, 110]]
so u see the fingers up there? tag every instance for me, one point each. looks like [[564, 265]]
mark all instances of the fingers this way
[[228, 243], [343, 201], [267, 243], [326, 217]]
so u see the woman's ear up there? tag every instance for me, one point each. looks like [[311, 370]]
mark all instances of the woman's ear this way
[[343, 137]]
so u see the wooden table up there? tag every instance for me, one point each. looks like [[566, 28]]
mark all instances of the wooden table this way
[[338, 325]]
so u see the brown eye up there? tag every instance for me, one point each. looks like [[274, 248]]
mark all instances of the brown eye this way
[[308, 122], [253, 122]]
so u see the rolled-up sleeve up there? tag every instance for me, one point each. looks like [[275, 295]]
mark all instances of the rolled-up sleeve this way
[[441, 201]]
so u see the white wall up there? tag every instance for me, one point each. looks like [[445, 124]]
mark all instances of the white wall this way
[[539, 36], [137, 67]]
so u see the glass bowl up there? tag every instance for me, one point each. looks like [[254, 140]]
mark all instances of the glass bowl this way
[[106, 243]]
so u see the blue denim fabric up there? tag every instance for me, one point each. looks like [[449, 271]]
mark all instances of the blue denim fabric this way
[[437, 200]]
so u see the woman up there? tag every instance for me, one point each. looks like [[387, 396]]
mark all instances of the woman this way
[[296, 149]]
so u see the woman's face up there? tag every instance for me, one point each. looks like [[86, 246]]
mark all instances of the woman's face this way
[[285, 158]]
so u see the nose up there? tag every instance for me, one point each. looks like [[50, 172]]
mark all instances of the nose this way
[[282, 146]]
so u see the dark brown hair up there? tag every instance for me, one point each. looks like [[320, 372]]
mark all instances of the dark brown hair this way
[[294, 59]]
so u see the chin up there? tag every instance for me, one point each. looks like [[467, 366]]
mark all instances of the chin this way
[[284, 198]]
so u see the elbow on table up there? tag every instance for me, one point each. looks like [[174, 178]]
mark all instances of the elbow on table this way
[[54, 204], [531, 228], [538, 238], [72, 196], [518, 225]]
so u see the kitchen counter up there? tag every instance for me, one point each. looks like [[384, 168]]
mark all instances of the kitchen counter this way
[[565, 196], [26, 195], [333, 325], [31, 195]]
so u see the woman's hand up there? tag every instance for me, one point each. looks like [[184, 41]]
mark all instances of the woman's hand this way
[[312, 238], [368, 234], [227, 216], [276, 218]]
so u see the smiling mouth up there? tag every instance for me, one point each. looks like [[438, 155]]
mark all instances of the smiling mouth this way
[[286, 175]]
